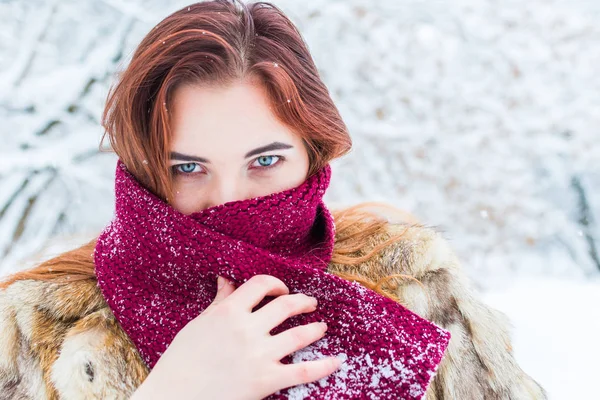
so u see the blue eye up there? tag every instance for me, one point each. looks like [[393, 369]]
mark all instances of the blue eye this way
[[185, 168], [265, 162]]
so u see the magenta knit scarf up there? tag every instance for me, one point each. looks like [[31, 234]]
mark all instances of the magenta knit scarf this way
[[157, 270]]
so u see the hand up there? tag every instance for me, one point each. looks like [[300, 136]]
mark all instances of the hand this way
[[227, 352]]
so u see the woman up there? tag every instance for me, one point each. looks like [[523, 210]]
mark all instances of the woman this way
[[221, 103]]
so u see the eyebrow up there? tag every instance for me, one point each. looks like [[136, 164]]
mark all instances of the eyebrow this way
[[273, 146]]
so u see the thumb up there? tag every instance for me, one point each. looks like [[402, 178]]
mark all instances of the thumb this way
[[224, 289]]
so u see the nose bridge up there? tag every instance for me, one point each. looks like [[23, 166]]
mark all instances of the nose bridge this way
[[224, 189]]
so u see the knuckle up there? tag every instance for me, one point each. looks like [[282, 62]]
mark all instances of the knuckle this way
[[310, 299], [260, 279], [303, 372], [298, 335], [224, 308], [264, 281], [292, 303], [288, 302]]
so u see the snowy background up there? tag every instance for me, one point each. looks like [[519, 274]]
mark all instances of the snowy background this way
[[481, 117]]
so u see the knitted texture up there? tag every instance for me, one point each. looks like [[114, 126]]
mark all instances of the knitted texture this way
[[157, 270]]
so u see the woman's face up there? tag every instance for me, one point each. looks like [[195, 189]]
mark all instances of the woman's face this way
[[227, 145]]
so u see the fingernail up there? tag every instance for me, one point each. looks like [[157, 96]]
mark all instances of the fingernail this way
[[220, 282]]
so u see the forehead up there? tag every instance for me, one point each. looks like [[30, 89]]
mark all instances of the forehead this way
[[237, 115]]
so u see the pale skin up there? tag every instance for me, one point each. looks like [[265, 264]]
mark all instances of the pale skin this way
[[227, 145]]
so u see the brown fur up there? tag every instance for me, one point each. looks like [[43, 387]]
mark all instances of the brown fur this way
[[61, 341]]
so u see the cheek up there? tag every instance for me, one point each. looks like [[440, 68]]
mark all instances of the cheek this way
[[186, 197], [258, 189], [283, 180]]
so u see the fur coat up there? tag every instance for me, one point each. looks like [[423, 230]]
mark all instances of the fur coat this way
[[62, 341]]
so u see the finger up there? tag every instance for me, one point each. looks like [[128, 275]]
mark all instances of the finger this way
[[223, 291], [307, 371], [251, 292], [283, 307], [296, 338]]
